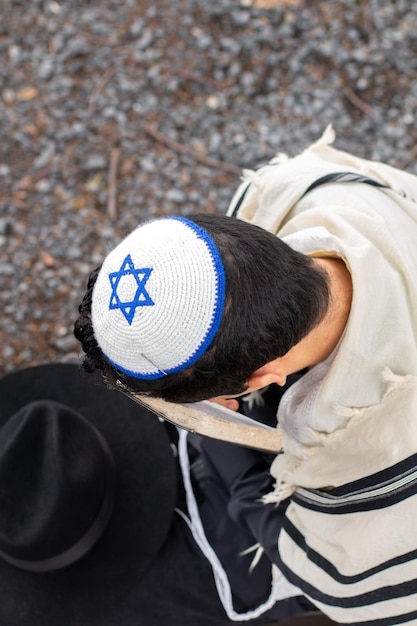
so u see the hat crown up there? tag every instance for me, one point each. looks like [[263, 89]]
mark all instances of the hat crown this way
[[54, 478]]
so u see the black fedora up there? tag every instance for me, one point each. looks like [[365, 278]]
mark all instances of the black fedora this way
[[87, 495]]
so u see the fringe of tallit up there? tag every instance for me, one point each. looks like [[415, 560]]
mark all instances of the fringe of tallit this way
[[280, 492], [327, 138]]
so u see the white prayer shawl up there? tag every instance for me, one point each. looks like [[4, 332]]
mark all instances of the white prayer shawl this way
[[350, 541]]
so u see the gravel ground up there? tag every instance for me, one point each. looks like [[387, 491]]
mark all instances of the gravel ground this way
[[113, 112]]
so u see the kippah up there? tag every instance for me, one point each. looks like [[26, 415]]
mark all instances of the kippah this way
[[158, 299]]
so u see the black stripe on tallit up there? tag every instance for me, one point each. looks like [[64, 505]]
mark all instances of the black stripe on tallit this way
[[343, 177], [321, 562], [368, 598], [394, 484]]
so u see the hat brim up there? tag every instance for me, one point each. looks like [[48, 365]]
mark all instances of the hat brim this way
[[145, 500]]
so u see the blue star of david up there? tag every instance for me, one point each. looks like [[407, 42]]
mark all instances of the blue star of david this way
[[141, 297]]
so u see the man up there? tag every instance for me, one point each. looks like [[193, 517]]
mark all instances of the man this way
[[86, 538], [316, 278]]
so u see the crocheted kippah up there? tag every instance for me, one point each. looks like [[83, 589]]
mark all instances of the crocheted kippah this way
[[158, 299]]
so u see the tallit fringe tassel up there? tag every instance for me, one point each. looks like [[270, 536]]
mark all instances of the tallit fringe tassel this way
[[258, 549], [281, 492]]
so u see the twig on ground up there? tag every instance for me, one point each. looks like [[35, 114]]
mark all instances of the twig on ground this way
[[112, 201], [196, 78], [92, 105], [356, 101], [179, 147]]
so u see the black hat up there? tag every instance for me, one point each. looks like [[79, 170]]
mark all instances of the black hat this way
[[87, 494]]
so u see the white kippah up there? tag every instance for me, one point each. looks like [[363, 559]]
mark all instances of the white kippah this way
[[158, 298]]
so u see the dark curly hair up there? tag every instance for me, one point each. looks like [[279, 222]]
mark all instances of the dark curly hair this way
[[274, 297]]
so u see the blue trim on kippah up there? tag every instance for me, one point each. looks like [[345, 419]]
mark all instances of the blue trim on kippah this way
[[140, 375], [217, 313], [220, 293]]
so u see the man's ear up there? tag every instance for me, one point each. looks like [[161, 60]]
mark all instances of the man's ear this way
[[269, 373]]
